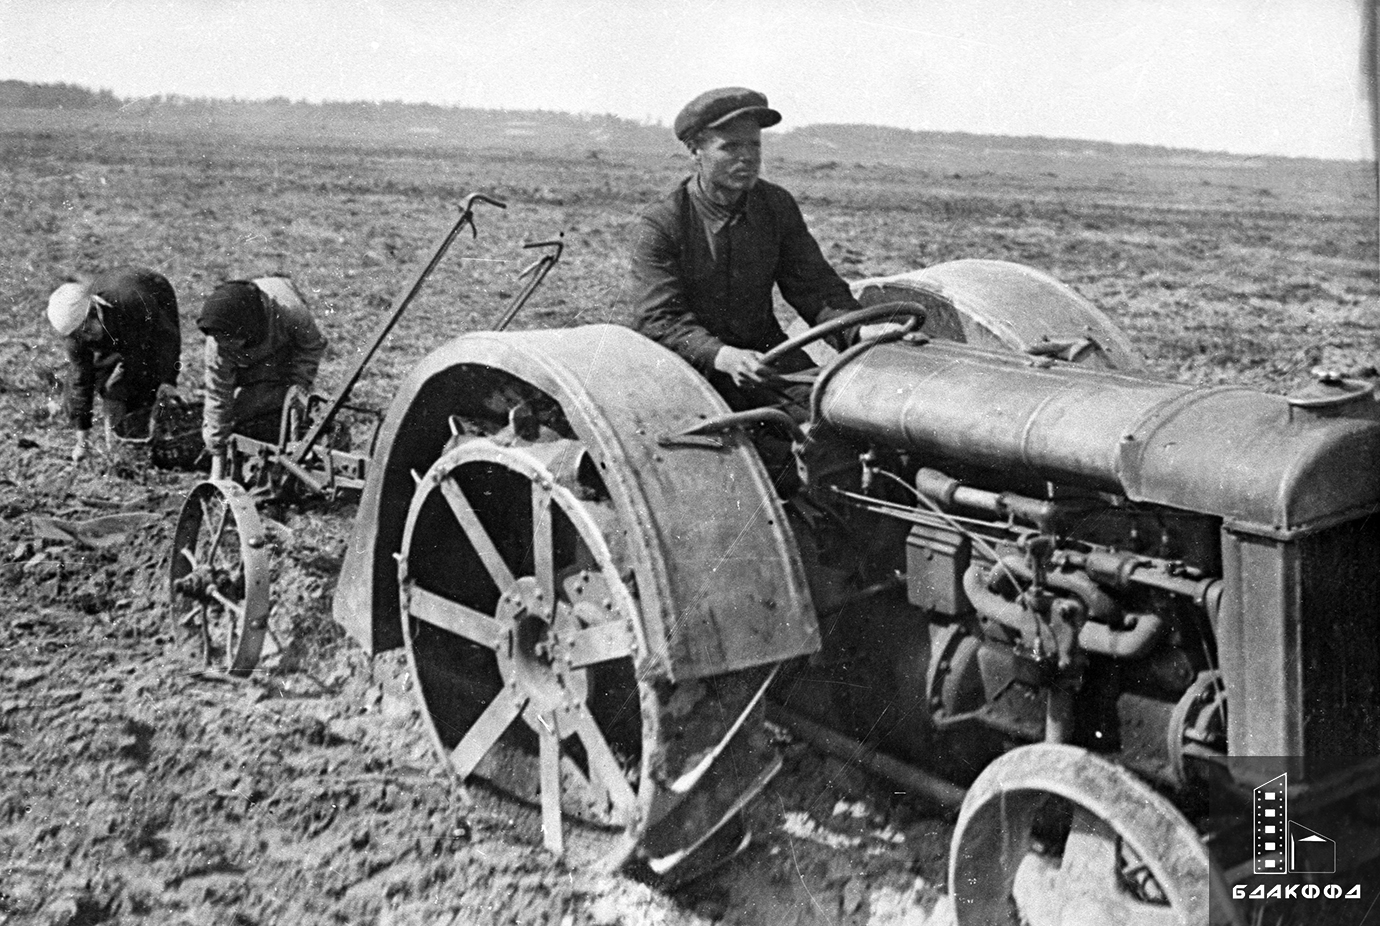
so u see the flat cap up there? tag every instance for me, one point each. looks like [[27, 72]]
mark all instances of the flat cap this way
[[715, 107]]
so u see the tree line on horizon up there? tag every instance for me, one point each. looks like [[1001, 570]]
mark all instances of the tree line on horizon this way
[[20, 94], [60, 96]]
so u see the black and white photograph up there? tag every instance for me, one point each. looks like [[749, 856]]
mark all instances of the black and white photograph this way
[[813, 463]]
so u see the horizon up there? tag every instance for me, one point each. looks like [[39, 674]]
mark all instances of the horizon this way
[[1254, 77], [176, 99]]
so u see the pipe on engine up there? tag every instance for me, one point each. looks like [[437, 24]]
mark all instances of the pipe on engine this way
[[1101, 607], [1132, 643], [994, 607], [945, 490], [1121, 569]]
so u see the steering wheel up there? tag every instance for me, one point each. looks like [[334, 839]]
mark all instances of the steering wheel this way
[[886, 311]]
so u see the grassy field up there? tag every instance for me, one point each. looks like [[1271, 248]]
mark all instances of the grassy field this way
[[139, 790]]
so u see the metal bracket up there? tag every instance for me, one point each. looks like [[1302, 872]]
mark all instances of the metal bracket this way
[[1068, 350], [700, 435]]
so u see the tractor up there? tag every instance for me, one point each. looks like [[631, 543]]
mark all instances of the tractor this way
[[1082, 605]]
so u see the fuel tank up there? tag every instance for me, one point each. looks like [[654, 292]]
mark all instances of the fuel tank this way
[[1266, 464]]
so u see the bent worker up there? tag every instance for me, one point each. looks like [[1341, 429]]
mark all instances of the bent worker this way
[[123, 342], [261, 341], [705, 257]]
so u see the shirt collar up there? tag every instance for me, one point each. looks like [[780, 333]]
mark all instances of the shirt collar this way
[[714, 215]]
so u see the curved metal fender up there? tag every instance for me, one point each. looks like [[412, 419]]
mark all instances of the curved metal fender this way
[[718, 577], [1005, 306]]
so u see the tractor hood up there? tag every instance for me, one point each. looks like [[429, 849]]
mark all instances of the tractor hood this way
[[1265, 463]]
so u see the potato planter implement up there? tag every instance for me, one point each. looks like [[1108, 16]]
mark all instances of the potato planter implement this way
[[220, 570], [1081, 596]]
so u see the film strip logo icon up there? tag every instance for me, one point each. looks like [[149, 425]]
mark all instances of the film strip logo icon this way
[[1281, 845], [1270, 819]]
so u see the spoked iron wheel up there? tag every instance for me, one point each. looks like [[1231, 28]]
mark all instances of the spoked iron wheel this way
[[1052, 835], [219, 576], [522, 628]]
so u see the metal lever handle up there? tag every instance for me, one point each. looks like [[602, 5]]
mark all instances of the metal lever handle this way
[[534, 272], [343, 395], [466, 218]]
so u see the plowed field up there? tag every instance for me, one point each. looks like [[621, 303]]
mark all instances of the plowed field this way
[[136, 786]]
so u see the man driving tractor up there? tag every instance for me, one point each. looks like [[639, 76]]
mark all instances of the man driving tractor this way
[[706, 256]]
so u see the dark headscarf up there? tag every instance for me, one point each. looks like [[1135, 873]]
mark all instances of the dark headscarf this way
[[234, 310]]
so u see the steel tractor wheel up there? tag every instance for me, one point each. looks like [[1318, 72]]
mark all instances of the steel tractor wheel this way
[[219, 576], [1052, 834], [581, 630]]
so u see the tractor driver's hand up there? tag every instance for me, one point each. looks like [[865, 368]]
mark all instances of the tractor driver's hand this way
[[744, 366], [218, 464]]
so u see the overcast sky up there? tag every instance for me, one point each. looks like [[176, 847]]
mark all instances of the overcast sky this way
[[1248, 76]]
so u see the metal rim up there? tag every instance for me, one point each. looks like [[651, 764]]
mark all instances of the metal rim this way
[[546, 631], [1053, 834], [219, 575]]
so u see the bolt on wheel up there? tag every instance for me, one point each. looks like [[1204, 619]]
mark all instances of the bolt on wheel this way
[[521, 624], [218, 577]]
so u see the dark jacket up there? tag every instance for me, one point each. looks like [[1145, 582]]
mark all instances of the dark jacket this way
[[135, 349], [694, 299], [243, 386]]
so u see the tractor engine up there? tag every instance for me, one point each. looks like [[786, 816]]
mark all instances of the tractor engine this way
[[1042, 551]]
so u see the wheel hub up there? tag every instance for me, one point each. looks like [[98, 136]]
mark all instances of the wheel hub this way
[[196, 584], [535, 663]]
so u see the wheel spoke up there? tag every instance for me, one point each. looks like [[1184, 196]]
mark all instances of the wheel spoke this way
[[603, 765], [1091, 859], [219, 533], [454, 617], [1088, 881], [599, 643], [481, 737], [550, 742], [543, 551], [235, 607], [206, 633], [477, 535], [232, 638], [209, 513]]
